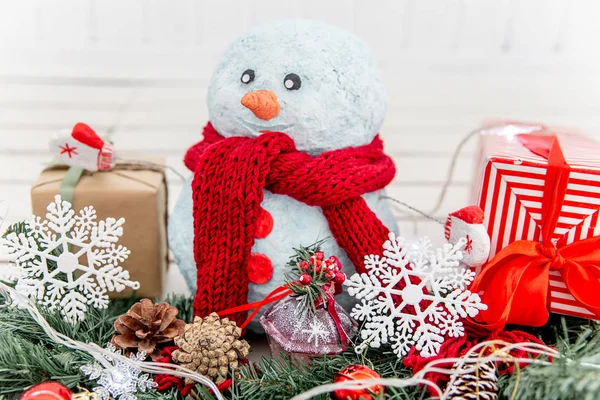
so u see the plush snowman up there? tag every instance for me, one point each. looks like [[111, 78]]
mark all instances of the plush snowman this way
[[468, 223], [322, 177]]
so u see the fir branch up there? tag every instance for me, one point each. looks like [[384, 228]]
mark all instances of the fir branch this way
[[17, 228], [310, 294], [171, 394], [185, 305], [303, 253], [281, 378], [28, 356], [23, 364], [576, 375]]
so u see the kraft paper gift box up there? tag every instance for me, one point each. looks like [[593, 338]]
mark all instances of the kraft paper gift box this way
[[140, 196], [510, 189]]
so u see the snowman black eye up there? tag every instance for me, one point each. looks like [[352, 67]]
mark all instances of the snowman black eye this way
[[292, 82], [247, 76]]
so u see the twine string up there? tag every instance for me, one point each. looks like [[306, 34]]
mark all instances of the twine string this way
[[451, 366], [414, 209], [451, 169], [430, 215], [140, 164], [4, 208]]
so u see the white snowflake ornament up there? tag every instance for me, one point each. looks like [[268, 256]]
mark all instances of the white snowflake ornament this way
[[119, 381], [49, 258], [413, 297]]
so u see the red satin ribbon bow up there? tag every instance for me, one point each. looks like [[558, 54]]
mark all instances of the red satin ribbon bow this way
[[515, 282]]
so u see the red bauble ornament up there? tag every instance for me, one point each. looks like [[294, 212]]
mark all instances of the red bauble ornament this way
[[47, 391], [340, 278], [303, 266], [335, 263], [352, 373], [305, 279], [319, 255]]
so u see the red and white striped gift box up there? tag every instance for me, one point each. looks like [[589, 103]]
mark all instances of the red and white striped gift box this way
[[509, 189]]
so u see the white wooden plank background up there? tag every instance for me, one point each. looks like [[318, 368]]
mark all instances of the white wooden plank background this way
[[138, 70]]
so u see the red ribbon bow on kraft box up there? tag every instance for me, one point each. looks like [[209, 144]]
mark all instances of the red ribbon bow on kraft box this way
[[542, 215]]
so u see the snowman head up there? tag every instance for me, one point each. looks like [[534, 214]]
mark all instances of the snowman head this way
[[317, 83]]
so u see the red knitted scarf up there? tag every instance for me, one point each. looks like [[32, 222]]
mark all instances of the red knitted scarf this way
[[229, 176]]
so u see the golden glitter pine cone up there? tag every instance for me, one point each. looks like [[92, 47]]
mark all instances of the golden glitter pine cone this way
[[147, 327], [211, 346]]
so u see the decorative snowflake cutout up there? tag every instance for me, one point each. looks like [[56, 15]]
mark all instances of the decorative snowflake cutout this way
[[316, 332], [49, 259], [398, 310], [120, 381], [456, 275]]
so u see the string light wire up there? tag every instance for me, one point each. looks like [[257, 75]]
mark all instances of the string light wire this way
[[101, 355]]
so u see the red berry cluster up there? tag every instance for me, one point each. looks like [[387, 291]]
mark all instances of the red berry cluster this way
[[330, 269]]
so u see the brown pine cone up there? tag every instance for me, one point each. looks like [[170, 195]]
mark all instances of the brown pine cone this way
[[480, 384], [211, 347], [147, 327]]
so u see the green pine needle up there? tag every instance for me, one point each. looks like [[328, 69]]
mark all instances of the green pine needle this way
[[575, 376], [309, 294], [28, 357], [281, 378], [18, 228]]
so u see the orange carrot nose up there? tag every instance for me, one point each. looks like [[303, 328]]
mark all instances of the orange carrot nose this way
[[263, 103]]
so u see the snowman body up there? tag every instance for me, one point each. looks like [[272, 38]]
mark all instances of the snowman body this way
[[294, 224], [320, 86]]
